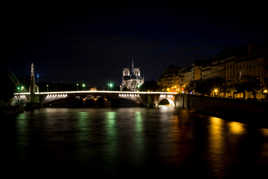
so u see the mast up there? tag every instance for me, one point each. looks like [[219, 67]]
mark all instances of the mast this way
[[32, 82]]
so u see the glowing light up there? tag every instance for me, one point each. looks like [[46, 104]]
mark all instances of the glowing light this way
[[265, 91], [216, 90], [236, 127], [264, 132], [138, 118], [110, 85], [83, 85], [216, 136], [97, 92], [165, 108]]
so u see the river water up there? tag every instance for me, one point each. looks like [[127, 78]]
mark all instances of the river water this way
[[135, 142]]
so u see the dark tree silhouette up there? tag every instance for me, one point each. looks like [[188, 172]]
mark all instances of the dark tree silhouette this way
[[8, 88], [149, 85]]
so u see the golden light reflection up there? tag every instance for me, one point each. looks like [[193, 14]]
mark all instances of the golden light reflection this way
[[216, 134], [264, 132], [216, 144], [236, 127]]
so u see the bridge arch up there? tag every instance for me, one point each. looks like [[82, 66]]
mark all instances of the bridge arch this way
[[167, 102]]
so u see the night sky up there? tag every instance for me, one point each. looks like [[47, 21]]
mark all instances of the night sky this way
[[94, 44]]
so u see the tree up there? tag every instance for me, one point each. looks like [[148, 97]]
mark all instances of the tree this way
[[149, 85], [205, 86], [251, 84], [8, 88]]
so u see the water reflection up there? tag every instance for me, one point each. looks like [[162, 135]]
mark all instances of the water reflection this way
[[138, 121], [237, 128], [22, 125], [140, 138], [83, 125], [216, 135], [111, 134], [216, 146], [166, 108], [264, 132]]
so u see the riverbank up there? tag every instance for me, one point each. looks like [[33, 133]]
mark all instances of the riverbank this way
[[248, 111], [11, 110], [254, 119]]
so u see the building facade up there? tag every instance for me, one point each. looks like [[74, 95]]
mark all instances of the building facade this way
[[132, 78], [240, 76]]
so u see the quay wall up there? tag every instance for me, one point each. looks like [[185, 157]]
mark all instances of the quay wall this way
[[223, 107]]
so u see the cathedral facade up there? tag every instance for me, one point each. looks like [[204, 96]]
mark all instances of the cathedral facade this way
[[132, 79]]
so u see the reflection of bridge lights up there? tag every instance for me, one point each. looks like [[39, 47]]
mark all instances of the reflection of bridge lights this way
[[165, 108]]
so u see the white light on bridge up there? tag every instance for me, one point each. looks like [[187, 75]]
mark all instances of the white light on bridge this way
[[97, 92]]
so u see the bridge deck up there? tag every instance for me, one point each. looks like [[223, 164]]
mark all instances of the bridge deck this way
[[98, 92]]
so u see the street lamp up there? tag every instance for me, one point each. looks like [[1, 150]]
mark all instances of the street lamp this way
[[215, 91], [110, 85], [83, 85]]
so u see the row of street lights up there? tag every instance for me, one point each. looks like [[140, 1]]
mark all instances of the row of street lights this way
[[83, 85], [110, 85], [20, 88]]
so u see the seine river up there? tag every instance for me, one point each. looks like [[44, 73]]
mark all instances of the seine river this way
[[134, 142]]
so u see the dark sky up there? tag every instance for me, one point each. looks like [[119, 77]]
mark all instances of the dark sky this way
[[93, 44]]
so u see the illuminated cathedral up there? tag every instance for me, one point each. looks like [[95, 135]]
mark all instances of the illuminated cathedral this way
[[131, 79]]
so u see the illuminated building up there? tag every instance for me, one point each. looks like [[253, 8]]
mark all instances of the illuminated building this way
[[131, 79], [170, 79], [238, 71]]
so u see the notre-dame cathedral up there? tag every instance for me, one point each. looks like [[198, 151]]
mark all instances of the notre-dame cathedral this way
[[131, 79]]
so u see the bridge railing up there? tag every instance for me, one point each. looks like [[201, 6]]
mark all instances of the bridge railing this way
[[91, 92]]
